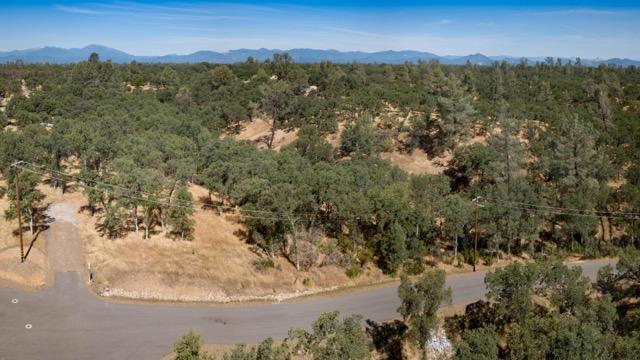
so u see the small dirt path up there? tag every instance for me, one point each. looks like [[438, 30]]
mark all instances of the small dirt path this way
[[64, 245]]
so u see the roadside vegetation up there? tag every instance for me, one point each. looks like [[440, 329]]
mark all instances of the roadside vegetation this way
[[541, 310], [549, 151]]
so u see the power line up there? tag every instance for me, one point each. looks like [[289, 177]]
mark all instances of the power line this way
[[543, 209], [600, 212], [558, 211], [178, 204]]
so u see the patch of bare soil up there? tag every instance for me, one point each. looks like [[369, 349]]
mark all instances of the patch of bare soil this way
[[25, 90], [64, 244], [259, 131], [3, 103], [145, 87], [417, 162], [335, 138]]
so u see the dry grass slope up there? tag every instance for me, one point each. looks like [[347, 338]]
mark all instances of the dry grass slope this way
[[216, 265]]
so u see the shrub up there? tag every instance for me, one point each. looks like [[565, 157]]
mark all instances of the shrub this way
[[488, 259], [264, 264], [414, 266], [354, 271], [307, 255]]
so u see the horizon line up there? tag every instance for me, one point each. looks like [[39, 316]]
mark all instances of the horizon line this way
[[317, 49]]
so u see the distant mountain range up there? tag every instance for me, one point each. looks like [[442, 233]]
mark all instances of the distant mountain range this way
[[56, 55]]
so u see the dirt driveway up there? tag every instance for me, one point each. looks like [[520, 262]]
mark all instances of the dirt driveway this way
[[64, 245]]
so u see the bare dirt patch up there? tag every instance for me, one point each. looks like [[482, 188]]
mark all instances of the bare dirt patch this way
[[259, 131], [145, 87], [25, 89], [417, 162], [335, 138]]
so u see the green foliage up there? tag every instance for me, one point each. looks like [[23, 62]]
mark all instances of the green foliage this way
[[189, 347], [359, 138], [414, 266], [112, 220], [30, 198], [332, 338], [564, 321], [558, 137], [420, 301], [623, 286], [180, 215], [264, 264], [276, 103], [512, 288], [481, 344], [393, 249], [266, 350], [457, 213], [312, 146], [353, 271]]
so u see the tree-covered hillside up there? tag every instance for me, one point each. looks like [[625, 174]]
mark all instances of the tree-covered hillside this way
[[557, 168]]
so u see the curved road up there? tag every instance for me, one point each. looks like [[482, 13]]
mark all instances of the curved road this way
[[66, 322]]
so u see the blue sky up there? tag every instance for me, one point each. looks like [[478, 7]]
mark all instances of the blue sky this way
[[588, 29]]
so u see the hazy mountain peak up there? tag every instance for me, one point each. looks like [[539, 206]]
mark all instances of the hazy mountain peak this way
[[58, 55]]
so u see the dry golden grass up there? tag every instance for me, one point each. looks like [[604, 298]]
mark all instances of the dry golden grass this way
[[34, 272], [259, 130], [7, 238], [335, 138], [215, 265], [417, 162]]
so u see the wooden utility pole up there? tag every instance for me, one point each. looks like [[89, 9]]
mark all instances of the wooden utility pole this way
[[475, 240], [19, 216]]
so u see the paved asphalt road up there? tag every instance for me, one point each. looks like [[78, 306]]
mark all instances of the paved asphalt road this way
[[66, 322]]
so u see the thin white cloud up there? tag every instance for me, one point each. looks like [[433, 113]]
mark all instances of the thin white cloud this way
[[444, 21], [577, 11], [77, 10], [356, 32], [145, 12]]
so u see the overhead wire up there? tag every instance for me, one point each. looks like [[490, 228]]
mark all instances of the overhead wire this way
[[250, 213]]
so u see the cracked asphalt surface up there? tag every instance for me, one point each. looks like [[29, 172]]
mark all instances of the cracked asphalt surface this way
[[67, 322]]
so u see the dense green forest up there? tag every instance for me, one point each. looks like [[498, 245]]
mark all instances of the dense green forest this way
[[541, 310], [558, 171]]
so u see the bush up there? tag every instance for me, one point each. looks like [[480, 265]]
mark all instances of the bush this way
[[468, 256], [354, 271], [307, 255], [414, 266], [264, 264], [481, 343], [189, 347], [488, 259], [334, 255]]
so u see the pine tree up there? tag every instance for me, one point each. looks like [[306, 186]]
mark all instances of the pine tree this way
[[180, 214]]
